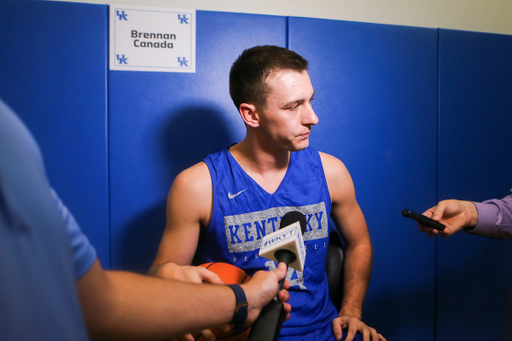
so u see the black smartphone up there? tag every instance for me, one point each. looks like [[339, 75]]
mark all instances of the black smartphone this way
[[423, 220]]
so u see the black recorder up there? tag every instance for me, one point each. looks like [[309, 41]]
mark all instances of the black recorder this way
[[423, 220]]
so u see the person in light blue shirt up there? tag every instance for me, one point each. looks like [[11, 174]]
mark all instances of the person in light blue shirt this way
[[52, 286]]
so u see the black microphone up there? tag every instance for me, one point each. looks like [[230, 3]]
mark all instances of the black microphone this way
[[284, 255], [268, 325]]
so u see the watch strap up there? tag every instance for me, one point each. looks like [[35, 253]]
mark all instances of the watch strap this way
[[240, 314]]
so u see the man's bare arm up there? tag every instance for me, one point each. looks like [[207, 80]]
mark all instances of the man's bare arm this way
[[127, 306], [350, 222], [189, 206]]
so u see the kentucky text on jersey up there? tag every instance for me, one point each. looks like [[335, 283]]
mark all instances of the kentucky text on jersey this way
[[245, 231]]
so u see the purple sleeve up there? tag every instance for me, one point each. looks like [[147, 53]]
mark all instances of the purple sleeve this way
[[494, 218]]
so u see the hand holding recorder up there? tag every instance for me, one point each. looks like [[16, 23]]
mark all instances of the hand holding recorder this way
[[454, 214]]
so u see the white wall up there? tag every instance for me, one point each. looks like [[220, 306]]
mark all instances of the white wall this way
[[493, 16]]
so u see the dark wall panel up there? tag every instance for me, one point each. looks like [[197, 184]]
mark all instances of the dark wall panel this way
[[162, 123], [376, 97], [53, 59], [475, 163]]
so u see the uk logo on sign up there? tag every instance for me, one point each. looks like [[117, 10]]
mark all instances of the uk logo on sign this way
[[183, 18], [122, 15], [122, 59]]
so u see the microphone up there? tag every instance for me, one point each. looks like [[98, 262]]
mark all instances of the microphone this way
[[285, 245]]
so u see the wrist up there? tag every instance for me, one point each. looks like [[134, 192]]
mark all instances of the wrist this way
[[472, 216], [351, 312], [165, 270], [241, 307], [157, 270]]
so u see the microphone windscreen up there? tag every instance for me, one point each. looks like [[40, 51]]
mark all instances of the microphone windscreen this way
[[291, 217], [287, 238]]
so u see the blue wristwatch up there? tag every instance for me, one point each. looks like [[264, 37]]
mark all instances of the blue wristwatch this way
[[240, 314]]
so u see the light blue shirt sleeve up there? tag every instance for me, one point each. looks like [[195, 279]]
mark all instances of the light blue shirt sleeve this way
[[83, 252]]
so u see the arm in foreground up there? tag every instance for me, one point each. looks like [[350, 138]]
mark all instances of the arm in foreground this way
[[349, 220], [127, 306]]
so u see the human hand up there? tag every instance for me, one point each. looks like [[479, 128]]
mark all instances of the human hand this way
[[186, 273], [353, 325], [262, 288], [454, 214], [207, 334], [191, 274]]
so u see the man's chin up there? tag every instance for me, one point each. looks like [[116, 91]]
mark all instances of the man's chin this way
[[303, 145]]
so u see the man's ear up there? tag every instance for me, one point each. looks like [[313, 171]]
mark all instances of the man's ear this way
[[249, 115]]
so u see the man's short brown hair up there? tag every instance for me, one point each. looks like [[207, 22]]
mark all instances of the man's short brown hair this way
[[247, 78]]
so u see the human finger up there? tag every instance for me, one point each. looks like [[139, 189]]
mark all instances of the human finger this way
[[186, 337], [281, 270], [208, 335], [225, 328], [351, 332], [208, 276], [284, 295], [366, 334], [337, 328], [439, 210], [374, 334], [432, 233]]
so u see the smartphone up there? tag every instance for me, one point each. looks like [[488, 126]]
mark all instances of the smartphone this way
[[423, 220]]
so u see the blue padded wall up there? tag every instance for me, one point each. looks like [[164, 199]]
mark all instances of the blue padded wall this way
[[53, 59], [475, 163], [162, 123], [376, 98]]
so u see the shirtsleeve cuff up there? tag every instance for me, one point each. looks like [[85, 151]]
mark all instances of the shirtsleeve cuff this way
[[486, 216]]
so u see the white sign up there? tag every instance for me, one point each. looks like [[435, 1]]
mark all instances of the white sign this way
[[152, 39], [286, 238]]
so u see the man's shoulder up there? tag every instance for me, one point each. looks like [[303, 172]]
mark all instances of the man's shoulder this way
[[336, 173], [330, 161], [195, 176]]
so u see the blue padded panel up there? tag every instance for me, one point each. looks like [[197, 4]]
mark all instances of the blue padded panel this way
[[376, 98], [475, 163], [53, 74], [162, 123]]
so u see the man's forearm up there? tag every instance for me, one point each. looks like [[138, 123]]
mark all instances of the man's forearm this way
[[356, 276], [127, 306], [121, 305]]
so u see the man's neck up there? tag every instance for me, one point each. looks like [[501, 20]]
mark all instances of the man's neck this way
[[266, 167]]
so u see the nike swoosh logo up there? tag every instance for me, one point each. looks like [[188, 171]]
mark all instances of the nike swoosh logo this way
[[232, 196]]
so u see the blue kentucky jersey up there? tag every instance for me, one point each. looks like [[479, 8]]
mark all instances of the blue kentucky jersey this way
[[243, 213]]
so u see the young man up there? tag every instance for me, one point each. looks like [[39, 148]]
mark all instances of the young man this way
[[222, 207], [52, 281]]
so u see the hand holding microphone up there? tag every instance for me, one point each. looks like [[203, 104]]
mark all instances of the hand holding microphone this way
[[285, 245]]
